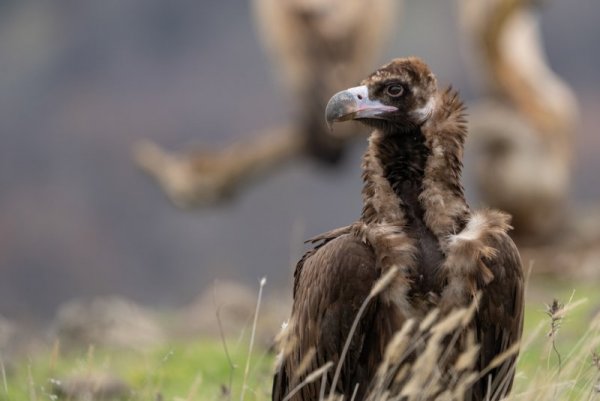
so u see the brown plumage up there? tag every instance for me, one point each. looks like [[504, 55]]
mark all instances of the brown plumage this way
[[414, 219]]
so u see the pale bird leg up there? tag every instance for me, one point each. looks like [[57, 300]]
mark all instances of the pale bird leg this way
[[204, 177]]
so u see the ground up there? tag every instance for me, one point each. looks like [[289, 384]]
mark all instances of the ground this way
[[201, 370]]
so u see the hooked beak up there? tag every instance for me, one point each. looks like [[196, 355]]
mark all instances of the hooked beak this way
[[353, 104]]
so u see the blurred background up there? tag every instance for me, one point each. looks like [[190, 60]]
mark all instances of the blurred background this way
[[83, 81]]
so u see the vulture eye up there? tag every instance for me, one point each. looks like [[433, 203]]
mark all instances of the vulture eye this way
[[394, 90]]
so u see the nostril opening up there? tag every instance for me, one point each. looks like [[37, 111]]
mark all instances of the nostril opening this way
[[359, 97]]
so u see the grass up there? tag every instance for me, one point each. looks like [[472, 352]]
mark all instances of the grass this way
[[197, 370], [574, 324], [557, 360], [201, 370]]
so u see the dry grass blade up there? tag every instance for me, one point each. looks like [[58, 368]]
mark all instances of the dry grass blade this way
[[595, 388], [596, 360], [354, 392], [232, 366], [416, 365], [449, 323], [467, 358], [575, 379], [499, 359], [379, 286], [31, 385], [323, 383], [263, 281], [309, 379], [429, 320], [55, 354], [466, 315], [424, 362], [315, 375], [556, 313], [384, 281], [90, 358], [194, 388], [3, 371], [286, 339], [305, 362]]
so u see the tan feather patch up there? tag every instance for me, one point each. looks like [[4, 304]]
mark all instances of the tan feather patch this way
[[467, 251]]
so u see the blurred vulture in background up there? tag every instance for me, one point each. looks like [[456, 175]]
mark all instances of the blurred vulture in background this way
[[321, 47], [522, 130]]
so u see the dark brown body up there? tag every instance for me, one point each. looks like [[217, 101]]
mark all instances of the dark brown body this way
[[414, 219]]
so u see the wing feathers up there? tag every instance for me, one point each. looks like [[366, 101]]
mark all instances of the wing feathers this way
[[331, 283]]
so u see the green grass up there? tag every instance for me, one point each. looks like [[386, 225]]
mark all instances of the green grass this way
[[200, 369], [196, 370], [575, 341], [585, 299]]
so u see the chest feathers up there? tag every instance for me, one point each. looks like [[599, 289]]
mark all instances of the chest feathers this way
[[416, 219]]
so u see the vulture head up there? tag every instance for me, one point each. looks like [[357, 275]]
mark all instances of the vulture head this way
[[400, 95]]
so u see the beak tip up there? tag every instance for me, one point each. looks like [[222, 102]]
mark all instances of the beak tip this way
[[339, 106]]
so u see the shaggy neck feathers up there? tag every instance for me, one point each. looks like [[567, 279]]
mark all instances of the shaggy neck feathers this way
[[414, 175]]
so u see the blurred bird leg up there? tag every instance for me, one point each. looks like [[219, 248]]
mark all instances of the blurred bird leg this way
[[522, 132], [207, 177], [333, 42], [319, 47]]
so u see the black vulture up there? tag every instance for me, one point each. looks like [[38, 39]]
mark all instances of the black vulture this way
[[416, 221]]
